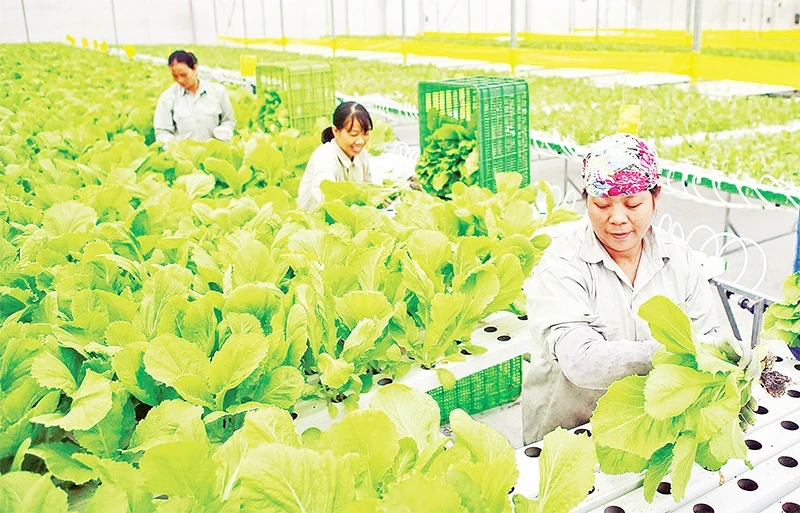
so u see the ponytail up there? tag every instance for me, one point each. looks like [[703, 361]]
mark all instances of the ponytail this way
[[327, 134]]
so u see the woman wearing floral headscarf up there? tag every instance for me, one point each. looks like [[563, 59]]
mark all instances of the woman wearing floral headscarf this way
[[589, 287]]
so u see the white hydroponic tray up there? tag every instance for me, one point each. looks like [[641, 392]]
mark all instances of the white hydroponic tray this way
[[572, 72], [732, 88], [504, 335], [771, 486], [644, 79]]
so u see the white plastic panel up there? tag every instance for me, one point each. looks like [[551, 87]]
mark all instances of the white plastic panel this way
[[788, 504]]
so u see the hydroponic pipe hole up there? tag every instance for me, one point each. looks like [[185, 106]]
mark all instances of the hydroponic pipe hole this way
[[533, 452], [753, 444], [664, 488], [787, 461], [747, 485]]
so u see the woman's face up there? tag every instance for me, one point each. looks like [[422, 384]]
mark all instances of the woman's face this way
[[185, 76], [351, 139], [621, 222]]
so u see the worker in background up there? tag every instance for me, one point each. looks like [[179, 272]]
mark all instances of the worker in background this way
[[192, 109], [589, 286], [341, 156]]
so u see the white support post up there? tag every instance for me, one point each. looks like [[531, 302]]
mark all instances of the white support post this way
[[513, 23], [216, 21], [191, 20], [597, 19], [697, 36], [25, 21], [403, 18], [280, 9], [244, 21], [114, 23]]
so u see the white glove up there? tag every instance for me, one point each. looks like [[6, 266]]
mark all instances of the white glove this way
[[743, 355], [746, 358], [737, 352], [223, 133]]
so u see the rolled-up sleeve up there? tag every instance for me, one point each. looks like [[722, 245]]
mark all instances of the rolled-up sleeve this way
[[163, 122], [563, 319], [590, 361]]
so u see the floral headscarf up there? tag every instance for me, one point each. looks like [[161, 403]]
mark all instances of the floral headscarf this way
[[620, 165]]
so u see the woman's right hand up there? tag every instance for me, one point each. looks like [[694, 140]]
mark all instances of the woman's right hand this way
[[413, 182]]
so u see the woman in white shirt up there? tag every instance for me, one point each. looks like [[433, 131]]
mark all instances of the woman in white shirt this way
[[589, 286], [192, 109], [341, 156]]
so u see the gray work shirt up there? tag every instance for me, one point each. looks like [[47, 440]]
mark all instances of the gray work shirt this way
[[183, 115], [586, 332]]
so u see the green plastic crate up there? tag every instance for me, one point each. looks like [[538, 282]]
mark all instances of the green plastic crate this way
[[305, 88], [495, 386], [502, 107]]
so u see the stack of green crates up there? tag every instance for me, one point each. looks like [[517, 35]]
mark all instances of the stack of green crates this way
[[305, 89], [502, 107], [495, 386]]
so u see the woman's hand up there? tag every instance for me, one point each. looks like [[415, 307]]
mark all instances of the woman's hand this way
[[413, 182], [223, 133]]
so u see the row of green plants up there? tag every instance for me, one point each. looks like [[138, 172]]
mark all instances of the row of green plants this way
[[591, 44], [570, 108], [758, 156], [575, 111], [164, 311], [153, 301]]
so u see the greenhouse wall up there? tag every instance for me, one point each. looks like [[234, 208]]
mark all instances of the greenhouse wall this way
[[200, 21]]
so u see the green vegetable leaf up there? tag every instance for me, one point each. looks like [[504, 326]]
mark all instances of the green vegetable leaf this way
[[620, 420], [59, 461], [671, 389], [415, 415], [617, 461], [420, 494], [282, 387], [658, 466], [335, 373], [372, 436], [51, 372], [182, 468], [446, 378], [23, 492], [128, 364], [170, 421], [566, 469], [276, 478], [668, 324], [269, 425], [90, 404], [168, 358], [236, 360], [684, 454]]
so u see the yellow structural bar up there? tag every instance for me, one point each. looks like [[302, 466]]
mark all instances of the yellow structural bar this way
[[696, 66]]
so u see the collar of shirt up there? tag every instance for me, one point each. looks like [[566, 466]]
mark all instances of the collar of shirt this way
[[201, 88], [342, 156], [655, 255]]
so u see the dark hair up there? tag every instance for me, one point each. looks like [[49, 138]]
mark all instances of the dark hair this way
[[655, 191], [343, 118], [183, 56]]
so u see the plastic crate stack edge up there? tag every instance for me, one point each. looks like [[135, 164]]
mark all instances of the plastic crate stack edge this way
[[503, 125], [481, 391], [306, 90]]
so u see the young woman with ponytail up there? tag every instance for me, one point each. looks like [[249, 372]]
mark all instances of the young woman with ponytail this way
[[341, 156]]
